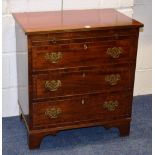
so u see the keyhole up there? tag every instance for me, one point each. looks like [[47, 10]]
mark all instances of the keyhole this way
[[82, 102], [83, 75], [85, 47]]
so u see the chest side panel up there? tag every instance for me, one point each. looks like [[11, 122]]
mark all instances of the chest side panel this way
[[22, 71]]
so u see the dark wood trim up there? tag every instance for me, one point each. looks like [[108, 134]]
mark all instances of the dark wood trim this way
[[36, 136]]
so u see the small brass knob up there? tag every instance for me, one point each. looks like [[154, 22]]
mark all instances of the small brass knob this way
[[54, 41]]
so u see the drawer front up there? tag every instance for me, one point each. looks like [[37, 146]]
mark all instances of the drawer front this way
[[85, 108], [83, 54], [55, 84], [56, 37]]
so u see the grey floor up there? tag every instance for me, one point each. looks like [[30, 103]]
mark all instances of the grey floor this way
[[88, 141]]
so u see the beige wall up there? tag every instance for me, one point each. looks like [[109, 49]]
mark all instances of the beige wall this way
[[10, 106], [143, 82]]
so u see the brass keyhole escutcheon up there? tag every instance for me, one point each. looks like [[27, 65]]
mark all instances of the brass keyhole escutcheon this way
[[85, 46], [83, 75], [83, 101]]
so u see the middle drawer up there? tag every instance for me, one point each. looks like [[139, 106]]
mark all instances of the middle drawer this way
[[58, 84]]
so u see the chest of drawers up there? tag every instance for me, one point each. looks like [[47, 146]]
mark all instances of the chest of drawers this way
[[75, 69]]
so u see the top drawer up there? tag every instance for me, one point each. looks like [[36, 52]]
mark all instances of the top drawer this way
[[56, 37], [84, 54]]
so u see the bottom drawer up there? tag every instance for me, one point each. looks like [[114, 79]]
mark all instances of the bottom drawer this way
[[84, 108]]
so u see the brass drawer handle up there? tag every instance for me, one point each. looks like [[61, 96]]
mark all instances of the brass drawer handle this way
[[115, 52], [85, 46], [110, 105], [52, 85], [112, 79], [53, 57], [53, 112]]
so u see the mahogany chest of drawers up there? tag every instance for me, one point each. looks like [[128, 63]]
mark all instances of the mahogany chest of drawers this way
[[75, 69]]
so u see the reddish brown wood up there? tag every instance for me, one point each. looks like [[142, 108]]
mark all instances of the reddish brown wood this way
[[77, 19], [90, 80], [90, 107], [75, 54], [123, 127], [53, 37], [34, 140], [36, 136], [81, 70]]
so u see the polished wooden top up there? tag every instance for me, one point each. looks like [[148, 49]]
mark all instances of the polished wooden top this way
[[32, 22]]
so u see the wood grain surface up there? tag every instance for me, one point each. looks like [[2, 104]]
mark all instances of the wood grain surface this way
[[80, 69]]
